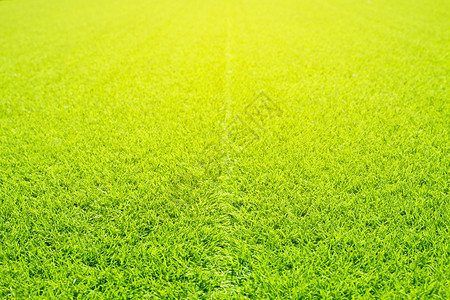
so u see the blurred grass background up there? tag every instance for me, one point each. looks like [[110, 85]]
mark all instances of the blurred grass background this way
[[129, 169]]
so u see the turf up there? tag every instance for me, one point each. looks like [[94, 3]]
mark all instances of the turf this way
[[224, 149]]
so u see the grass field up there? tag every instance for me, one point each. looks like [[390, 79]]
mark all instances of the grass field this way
[[221, 149]]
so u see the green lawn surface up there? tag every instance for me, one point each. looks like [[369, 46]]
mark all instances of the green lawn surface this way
[[224, 149]]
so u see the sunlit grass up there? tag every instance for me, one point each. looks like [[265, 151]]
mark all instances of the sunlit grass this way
[[218, 149]]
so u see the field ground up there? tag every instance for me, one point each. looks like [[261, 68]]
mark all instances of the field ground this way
[[217, 149]]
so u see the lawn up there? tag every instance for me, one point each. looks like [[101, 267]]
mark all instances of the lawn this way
[[219, 149]]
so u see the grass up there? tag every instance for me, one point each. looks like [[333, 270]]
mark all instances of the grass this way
[[224, 149]]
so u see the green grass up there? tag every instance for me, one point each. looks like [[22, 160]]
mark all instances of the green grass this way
[[137, 160]]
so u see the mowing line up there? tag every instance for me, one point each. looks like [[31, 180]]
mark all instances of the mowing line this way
[[227, 88]]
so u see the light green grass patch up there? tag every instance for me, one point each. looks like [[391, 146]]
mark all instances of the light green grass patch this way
[[137, 161]]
